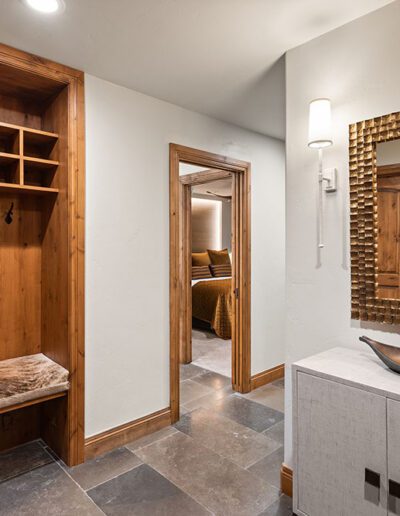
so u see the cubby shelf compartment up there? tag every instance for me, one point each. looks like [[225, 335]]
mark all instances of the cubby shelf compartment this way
[[8, 159], [30, 380], [39, 163], [27, 189]]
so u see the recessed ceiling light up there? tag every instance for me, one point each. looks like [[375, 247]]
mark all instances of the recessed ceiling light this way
[[45, 6]]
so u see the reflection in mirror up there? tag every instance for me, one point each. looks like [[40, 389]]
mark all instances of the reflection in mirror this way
[[388, 206]]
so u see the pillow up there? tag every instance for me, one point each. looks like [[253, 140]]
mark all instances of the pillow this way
[[219, 257], [200, 272], [219, 271], [200, 259]]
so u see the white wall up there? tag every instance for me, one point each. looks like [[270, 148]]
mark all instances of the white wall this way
[[127, 269], [357, 67]]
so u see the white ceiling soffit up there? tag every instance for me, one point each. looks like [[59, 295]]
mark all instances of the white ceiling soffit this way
[[217, 57]]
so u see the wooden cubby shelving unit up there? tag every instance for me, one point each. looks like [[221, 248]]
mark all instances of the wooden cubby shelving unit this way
[[29, 167], [42, 252]]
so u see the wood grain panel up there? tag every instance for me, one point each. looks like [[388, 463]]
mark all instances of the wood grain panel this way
[[20, 277], [41, 95]]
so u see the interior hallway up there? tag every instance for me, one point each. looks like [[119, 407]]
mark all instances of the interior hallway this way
[[223, 457]]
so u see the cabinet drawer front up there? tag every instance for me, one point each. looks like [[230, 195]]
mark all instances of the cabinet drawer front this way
[[341, 449]]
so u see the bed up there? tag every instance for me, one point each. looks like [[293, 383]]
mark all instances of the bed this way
[[212, 303]]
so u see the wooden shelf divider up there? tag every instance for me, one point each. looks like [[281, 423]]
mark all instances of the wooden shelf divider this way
[[30, 156], [27, 189]]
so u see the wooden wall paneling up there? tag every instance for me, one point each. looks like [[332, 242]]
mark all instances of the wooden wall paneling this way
[[20, 277], [20, 426], [55, 247], [51, 97]]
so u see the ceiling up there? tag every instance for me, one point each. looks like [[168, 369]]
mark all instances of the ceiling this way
[[219, 187], [222, 58]]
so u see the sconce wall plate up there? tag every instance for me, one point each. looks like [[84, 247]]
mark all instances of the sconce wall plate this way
[[330, 178]]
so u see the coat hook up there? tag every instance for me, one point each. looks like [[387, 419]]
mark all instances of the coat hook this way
[[9, 215]]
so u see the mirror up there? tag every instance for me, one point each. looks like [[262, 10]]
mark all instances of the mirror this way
[[388, 219], [374, 176]]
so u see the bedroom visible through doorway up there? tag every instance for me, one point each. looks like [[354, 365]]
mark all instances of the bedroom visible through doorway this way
[[211, 228], [210, 270]]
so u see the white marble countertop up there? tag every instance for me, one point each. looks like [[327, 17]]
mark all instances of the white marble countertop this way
[[358, 368]]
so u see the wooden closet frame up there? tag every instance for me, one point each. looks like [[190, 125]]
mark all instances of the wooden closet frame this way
[[74, 80], [181, 264]]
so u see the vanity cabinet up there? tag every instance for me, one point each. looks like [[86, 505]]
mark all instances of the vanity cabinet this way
[[346, 417]]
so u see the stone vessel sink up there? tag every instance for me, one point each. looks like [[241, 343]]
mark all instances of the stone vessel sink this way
[[390, 355]]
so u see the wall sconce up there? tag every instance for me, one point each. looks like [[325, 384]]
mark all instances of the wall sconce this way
[[320, 137]]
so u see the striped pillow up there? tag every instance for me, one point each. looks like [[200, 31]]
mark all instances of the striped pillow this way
[[219, 271], [201, 272]]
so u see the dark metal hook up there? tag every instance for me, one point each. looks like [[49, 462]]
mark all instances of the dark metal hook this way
[[9, 215]]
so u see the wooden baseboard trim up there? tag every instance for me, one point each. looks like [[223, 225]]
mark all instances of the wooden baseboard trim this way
[[120, 435], [260, 379], [287, 480]]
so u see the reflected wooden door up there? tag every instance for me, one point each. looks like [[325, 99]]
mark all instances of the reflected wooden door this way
[[388, 279]]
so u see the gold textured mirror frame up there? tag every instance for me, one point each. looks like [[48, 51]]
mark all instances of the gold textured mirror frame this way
[[364, 137]]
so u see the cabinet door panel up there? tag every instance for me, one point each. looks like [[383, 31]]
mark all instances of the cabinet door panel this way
[[393, 414], [341, 433]]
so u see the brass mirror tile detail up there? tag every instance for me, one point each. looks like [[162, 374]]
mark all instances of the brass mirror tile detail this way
[[363, 218]]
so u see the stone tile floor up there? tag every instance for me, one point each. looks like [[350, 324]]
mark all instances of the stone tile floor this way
[[223, 457]]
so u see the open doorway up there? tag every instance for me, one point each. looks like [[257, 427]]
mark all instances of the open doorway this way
[[211, 242], [194, 173]]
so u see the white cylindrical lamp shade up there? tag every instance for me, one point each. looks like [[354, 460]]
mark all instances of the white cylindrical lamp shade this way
[[320, 124]]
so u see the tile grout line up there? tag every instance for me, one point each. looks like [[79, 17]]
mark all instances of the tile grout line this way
[[115, 476], [265, 456], [74, 481], [156, 441]]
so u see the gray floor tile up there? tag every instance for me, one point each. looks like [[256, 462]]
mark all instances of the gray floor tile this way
[[218, 484], [208, 400], [188, 371], [229, 439], [247, 412], [191, 390], [101, 469], [269, 468], [268, 395], [279, 383], [22, 459], [282, 507], [151, 438], [45, 491], [276, 432], [212, 353], [213, 380], [144, 492]]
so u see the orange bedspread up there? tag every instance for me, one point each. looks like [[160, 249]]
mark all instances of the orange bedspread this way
[[212, 303]]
